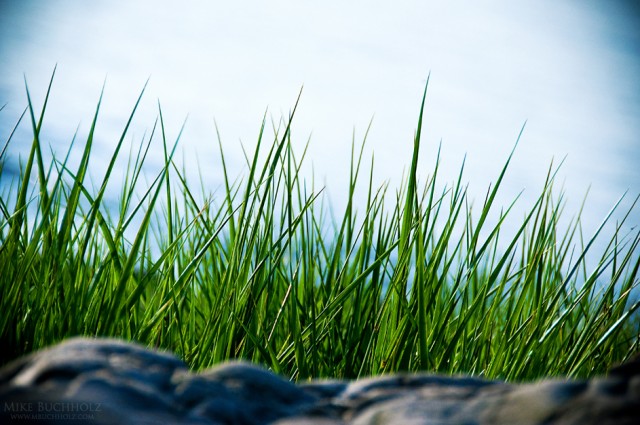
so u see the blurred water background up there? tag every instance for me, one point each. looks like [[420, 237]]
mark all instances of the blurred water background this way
[[568, 68]]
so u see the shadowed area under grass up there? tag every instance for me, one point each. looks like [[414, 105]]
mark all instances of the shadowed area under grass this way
[[414, 279]]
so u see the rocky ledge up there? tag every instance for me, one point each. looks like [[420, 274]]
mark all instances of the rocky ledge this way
[[100, 381]]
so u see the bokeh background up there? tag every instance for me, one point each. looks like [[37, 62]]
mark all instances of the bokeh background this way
[[569, 68]]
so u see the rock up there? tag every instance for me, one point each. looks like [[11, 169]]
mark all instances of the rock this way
[[104, 381]]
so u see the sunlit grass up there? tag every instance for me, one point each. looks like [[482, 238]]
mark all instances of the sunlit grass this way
[[409, 280]]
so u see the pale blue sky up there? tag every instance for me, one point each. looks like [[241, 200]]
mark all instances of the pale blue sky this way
[[569, 67]]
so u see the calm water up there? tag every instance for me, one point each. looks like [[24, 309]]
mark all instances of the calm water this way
[[568, 68]]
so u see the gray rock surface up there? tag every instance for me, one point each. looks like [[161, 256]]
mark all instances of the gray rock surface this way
[[103, 381]]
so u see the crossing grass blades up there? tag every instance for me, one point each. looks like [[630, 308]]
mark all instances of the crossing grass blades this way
[[409, 280]]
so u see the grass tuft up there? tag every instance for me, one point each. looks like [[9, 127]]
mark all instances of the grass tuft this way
[[260, 272]]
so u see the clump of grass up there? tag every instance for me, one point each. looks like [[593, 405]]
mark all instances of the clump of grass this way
[[259, 271]]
